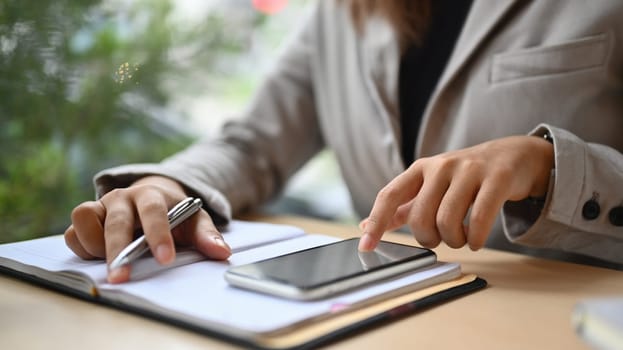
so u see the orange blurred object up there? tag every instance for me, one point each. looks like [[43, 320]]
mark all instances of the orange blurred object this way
[[269, 7]]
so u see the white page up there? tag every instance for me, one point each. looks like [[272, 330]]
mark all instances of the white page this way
[[51, 253], [200, 291], [599, 321], [239, 235]]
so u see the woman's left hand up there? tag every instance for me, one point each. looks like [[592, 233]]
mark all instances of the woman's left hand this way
[[434, 195]]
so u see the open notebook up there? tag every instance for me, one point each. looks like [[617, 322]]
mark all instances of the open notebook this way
[[193, 293]]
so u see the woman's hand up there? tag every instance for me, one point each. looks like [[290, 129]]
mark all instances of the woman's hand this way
[[101, 229], [433, 196]]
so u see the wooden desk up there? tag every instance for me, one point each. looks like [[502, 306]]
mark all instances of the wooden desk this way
[[527, 305]]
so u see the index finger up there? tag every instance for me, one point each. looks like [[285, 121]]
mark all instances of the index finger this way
[[397, 192], [118, 233]]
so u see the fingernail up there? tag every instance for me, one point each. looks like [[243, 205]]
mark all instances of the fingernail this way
[[117, 275], [365, 242], [220, 241], [164, 254]]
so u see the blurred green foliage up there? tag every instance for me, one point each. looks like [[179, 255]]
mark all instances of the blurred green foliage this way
[[85, 85]]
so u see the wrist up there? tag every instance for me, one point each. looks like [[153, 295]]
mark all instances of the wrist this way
[[545, 158]]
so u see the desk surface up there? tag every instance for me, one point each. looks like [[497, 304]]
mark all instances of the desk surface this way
[[527, 305]]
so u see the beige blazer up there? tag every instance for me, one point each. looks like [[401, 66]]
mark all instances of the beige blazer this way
[[518, 67]]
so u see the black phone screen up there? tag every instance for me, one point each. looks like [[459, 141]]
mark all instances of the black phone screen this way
[[315, 267]]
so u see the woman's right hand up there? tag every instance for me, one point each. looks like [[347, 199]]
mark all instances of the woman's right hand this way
[[101, 229]]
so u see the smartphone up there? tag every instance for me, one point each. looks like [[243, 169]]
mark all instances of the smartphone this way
[[326, 270]]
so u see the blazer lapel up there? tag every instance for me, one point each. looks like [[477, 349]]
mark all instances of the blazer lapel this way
[[380, 61], [482, 19]]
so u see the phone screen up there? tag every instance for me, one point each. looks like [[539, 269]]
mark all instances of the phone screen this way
[[328, 264]]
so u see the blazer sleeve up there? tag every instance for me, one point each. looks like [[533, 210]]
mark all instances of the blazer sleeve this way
[[583, 211], [250, 159]]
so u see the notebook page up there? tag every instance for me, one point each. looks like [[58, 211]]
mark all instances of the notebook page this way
[[51, 253], [200, 293], [239, 235]]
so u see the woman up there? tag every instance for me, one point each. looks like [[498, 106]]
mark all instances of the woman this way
[[492, 107]]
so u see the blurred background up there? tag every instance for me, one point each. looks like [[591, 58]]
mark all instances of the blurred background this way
[[90, 84]]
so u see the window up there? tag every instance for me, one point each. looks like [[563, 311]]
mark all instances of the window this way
[[86, 85]]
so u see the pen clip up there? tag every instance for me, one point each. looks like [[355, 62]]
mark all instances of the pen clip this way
[[183, 210], [180, 212]]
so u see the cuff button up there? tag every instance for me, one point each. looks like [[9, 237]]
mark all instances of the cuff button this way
[[616, 216], [591, 210]]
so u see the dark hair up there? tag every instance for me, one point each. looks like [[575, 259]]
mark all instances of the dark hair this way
[[410, 18]]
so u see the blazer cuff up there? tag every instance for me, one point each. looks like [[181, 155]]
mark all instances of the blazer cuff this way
[[521, 219], [558, 222], [214, 202]]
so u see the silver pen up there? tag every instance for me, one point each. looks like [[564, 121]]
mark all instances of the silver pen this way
[[180, 212]]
